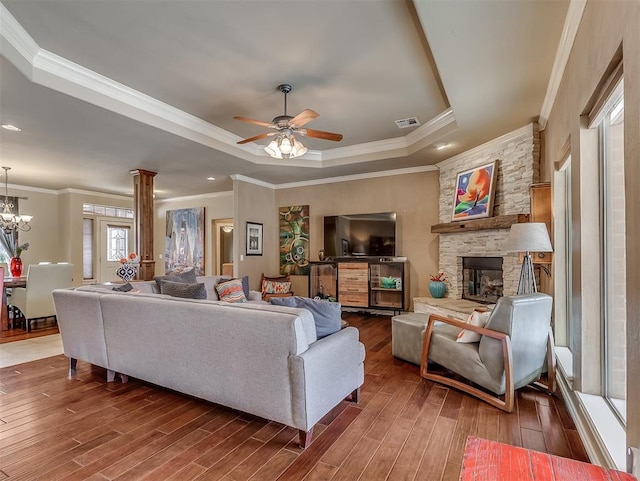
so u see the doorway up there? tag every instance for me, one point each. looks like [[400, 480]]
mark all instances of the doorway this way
[[223, 247], [115, 241]]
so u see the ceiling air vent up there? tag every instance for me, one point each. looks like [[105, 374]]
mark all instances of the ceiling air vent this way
[[410, 122]]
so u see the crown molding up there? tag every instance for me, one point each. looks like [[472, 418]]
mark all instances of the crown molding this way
[[71, 190], [494, 144], [333, 180], [28, 188], [17, 36], [432, 127], [349, 178], [251, 180], [211, 195], [53, 71], [569, 31]]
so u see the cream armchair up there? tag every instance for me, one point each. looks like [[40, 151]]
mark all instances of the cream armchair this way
[[34, 301], [514, 347]]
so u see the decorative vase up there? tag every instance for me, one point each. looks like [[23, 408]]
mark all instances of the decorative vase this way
[[437, 289], [16, 267], [127, 271]]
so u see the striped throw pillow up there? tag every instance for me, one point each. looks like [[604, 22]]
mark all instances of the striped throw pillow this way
[[231, 291]]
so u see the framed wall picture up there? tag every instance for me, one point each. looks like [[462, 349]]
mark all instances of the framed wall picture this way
[[184, 241], [474, 193], [294, 240], [254, 239]]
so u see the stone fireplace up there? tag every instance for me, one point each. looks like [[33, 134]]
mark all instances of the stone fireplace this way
[[518, 155]]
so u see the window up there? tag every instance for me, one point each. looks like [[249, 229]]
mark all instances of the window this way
[[117, 243], [87, 248], [107, 210], [568, 245], [613, 256]]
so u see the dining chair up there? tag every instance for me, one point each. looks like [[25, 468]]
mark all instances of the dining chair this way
[[34, 301]]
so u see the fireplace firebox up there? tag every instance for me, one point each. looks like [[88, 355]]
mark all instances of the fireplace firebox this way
[[482, 278]]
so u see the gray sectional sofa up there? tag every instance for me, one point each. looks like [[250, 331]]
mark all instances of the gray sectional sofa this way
[[257, 358]]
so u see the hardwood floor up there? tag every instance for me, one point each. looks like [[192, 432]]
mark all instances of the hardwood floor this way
[[41, 328], [52, 427]]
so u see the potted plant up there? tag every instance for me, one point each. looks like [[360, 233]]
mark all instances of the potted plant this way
[[438, 286]]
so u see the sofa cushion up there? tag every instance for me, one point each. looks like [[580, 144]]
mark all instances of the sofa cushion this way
[[187, 277], [231, 291], [326, 315], [124, 287], [275, 287], [478, 319], [181, 289]]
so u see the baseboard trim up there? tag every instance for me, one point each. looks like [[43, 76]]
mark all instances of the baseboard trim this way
[[593, 444]]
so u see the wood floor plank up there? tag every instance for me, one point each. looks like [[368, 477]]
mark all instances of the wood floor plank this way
[[555, 439], [408, 460], [314, 453], [382, 462], [488, 419], [404, 428], [435, 455], [151, 463], [532, 439], [321, 472], [527, 411], [359, 459], [340, 449], [212, 456], [189, 472], [466, 425], [270, 448]]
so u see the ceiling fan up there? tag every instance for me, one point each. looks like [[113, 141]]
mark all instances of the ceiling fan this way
[[285, 145]]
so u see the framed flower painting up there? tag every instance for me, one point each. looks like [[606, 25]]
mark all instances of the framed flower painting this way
[[475, 192]]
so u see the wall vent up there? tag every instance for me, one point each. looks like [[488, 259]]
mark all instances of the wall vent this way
[[410, 122]]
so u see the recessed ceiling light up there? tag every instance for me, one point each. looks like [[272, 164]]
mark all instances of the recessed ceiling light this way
[[441, 146], [12, 128], [211, 178]]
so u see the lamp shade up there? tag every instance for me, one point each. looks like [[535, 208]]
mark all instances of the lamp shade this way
[[527, 237]]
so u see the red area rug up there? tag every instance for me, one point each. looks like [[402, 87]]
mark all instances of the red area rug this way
[[486, 460]]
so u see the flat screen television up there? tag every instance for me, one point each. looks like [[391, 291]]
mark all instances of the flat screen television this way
[[360, 235]]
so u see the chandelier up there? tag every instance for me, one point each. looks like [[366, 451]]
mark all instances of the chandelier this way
[[8, 220]]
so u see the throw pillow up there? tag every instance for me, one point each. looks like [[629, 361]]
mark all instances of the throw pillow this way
[[182, 289], [327, 315], [186, 277], [478, 319], [124, 288], [245, 283], [275, 287], [231, 291]]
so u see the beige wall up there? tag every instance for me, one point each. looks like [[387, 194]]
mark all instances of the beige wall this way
[[414, 198], [70, 204], [216, 206], [255, 203], [605, 26], [43, 238]]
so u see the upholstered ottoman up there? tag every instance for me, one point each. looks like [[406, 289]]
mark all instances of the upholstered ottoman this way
[[407, 333]]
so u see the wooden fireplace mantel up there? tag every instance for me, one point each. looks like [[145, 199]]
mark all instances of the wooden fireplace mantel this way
[[497, 222]]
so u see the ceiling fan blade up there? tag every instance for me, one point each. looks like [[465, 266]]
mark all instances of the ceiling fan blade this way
[[320, 134], [253, 139], [304, 117], [256, 122]]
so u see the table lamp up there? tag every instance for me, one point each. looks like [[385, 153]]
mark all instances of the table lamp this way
[[528, 237]]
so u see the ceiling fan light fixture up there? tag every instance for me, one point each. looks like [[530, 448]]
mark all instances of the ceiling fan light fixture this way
[[285, 146], [273, 150]]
